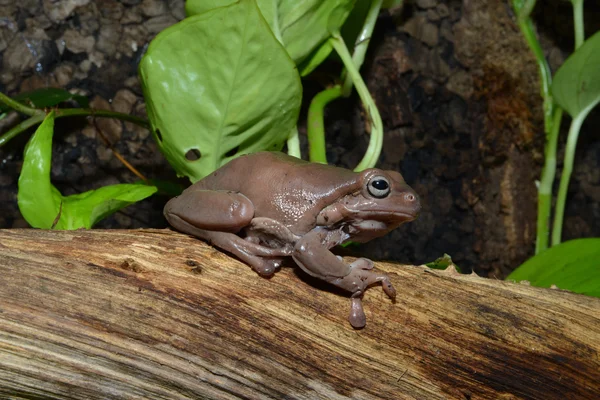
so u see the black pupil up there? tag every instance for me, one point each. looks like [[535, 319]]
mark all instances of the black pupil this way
[[380, 184]]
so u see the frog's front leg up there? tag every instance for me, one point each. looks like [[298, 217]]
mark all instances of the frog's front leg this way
[[311, 253]]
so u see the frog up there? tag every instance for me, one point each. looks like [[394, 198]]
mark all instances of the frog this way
[[268, 206]]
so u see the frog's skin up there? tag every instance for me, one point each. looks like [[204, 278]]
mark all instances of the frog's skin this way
[[266, 206]]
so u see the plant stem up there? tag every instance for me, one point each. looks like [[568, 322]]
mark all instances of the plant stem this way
[[578, 22], [71, 112], [20, 107], [545, 185], [376, 141], [316, 124], [552, 119], [526, 26], [576, 123], [23, 126], [362, 44], [571, 145], [293, 143], [39, 116]]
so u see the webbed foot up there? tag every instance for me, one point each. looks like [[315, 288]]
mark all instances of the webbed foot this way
[[362, 276]]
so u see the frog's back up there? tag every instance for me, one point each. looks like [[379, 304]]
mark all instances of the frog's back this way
[[282, 187]]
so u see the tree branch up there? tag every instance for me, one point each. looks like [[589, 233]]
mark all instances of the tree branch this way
[[155, 314]]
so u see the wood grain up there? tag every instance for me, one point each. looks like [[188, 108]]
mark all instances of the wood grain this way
[[153, 314]]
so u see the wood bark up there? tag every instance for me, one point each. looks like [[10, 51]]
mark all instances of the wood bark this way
[[154, 314]]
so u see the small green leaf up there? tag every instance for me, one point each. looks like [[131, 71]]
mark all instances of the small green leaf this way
[[442, 263], [572, 265], [576, 86], [39, 202], [218, 85], [84, 210], [47, 97], [42, 205]]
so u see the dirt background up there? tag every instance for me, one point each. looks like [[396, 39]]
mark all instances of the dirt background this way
[[455, 83]]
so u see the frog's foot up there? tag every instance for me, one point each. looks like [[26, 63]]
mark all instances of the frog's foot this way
[[362, 276]]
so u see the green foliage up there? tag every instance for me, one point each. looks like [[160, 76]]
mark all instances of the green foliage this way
[[43, 206], [442, 263], [576, 86], [219, 84], [302, 26], [391, 3], [572, 265], [306, 25]]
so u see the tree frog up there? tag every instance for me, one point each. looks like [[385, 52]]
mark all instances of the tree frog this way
[[266, 206]]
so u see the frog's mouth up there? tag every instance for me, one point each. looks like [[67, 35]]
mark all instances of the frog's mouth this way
[[385, 215]]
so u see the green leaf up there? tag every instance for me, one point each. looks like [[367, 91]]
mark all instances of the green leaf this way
[[194, 7], [391, 3], [39, 202], [306, 25], [572, 265], [84, 210], [315, 59], [268, 9], [576, 86], [47, 97], [42, 205], [442, 263], [302, 26], [218, 85]]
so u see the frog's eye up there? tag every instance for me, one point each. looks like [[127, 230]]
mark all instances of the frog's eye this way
[[379, 187]]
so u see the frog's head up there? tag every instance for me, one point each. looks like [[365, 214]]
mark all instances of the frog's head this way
[[383, 202]]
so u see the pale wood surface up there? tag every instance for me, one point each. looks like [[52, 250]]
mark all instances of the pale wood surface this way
[[153, 314]]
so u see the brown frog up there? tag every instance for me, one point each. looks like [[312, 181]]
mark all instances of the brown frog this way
[[265, 206]]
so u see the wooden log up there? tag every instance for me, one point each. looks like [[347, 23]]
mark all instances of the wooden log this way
[[154, 314]]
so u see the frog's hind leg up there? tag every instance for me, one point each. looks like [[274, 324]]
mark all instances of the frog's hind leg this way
[[217, 216], [262, 259]]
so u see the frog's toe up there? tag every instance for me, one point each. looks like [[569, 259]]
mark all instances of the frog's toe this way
[[267, 267], [388, 288], [362, 263], [357, 317]]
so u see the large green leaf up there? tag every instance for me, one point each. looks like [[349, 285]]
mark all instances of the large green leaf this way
[[194, 7], [391, 3], [572, 265], [268, 9], [306, 24], [217, 85], [301, 25], [42, 205], [576, 86]]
